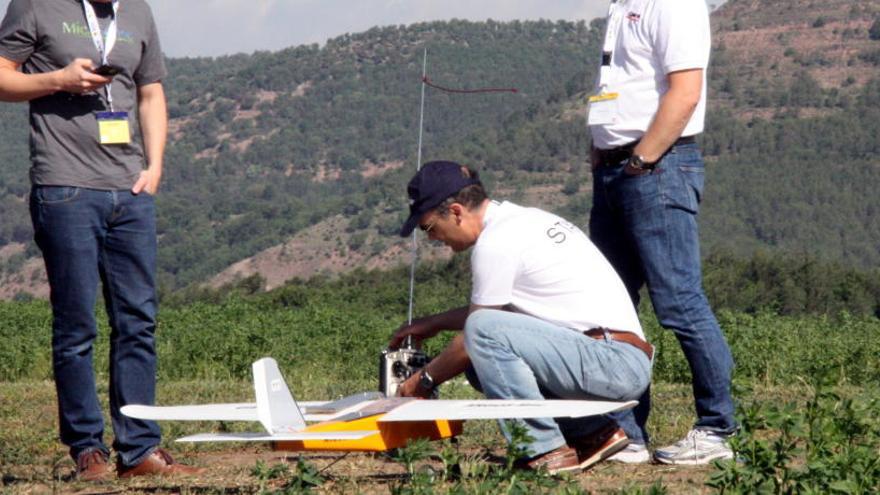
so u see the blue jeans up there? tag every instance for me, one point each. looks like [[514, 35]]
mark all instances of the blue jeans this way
[[516, 356], [646, 226], [85, 235]]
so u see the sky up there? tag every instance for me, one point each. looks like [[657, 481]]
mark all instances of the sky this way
[[190, 28]]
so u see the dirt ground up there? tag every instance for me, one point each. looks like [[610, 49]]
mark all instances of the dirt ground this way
[[33, 461], [231, 471]]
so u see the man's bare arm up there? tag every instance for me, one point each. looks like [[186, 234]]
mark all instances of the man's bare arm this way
[[75, 78], [429, 326], [153, 117], [676, 108], [452, 361]]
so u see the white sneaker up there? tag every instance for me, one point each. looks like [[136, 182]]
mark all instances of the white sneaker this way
[[634, 453], [698, 447]]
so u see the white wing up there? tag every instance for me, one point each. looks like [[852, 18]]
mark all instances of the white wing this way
[[206, 412], [278, 437], [427, 410], [244, 411]]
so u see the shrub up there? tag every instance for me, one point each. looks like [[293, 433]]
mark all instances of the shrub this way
[[829, 446]]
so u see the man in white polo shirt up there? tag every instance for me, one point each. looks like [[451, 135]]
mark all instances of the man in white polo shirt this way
[[548, 316], [649, 104]]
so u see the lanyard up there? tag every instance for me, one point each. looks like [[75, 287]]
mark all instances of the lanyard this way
[[103, 46], [612, 32]]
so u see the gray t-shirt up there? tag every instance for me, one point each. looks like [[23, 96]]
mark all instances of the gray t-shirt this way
[[46, 35]]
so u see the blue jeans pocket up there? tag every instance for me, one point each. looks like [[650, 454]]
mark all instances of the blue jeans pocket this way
[[684, 178], [682, 189], [47, 195], [640, 192]]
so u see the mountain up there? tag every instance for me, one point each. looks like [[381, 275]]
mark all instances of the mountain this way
[[294, 163], [265, 146], [793, 137]]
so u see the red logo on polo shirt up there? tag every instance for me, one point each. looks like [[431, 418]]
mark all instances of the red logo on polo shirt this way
[[633, 17]]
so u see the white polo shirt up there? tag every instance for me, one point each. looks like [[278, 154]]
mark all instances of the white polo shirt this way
[[546, 267], [647, 39]]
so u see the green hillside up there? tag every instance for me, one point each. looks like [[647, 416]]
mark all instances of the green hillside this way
[[264, 146], [794, 135]]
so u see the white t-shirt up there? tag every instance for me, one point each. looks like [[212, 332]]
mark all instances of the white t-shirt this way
[[547, 268], [652, 39]]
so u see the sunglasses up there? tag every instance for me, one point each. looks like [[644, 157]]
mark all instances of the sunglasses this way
[[427, 228]]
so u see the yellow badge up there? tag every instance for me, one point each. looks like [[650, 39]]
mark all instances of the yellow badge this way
[[603, 97], [603, 109], [113, 128]]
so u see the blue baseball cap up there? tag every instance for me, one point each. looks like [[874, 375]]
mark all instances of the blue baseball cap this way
[[432, 185]]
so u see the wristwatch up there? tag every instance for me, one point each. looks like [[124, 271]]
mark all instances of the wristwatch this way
[[638, 163], [425, 380]]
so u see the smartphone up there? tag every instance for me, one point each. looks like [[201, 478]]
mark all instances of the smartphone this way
[[108, 70]]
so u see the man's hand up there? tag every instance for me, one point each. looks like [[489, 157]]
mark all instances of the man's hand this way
[[451, 362], [429, 326], [148, 181], [411, 388], [78, 77], [419, 329]]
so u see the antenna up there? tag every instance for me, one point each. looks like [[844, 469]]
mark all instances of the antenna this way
[[415, 245], [415, 242]]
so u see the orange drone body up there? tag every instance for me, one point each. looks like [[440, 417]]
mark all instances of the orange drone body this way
[[389, 435]]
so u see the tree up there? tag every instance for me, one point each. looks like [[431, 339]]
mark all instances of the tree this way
[[874, 32]]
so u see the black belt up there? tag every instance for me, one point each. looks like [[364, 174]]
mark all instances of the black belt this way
[[614, 156]]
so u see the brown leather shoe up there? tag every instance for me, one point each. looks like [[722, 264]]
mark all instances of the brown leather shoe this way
[[600, 446], [159, 463], [92, 465], [562, 459]]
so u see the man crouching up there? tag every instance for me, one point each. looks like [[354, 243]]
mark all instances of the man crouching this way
[[548, 316]]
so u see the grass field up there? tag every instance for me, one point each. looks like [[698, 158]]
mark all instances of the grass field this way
[[33, 461], [807, 387]]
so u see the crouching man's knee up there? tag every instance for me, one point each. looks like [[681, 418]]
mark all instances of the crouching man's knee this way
[[478, 327]]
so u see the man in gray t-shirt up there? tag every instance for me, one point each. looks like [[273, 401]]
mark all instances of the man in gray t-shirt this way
[[92, 71]]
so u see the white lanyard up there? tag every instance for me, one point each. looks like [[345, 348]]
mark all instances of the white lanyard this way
[[612, 32], [104, 46]]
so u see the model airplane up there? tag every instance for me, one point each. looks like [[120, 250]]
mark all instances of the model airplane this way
[[363, 422]]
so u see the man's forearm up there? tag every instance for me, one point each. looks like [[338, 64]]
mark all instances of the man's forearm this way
[[449, 363], [153, 118], [451, 320], [675, 111], [17, 87], [454, 359]]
